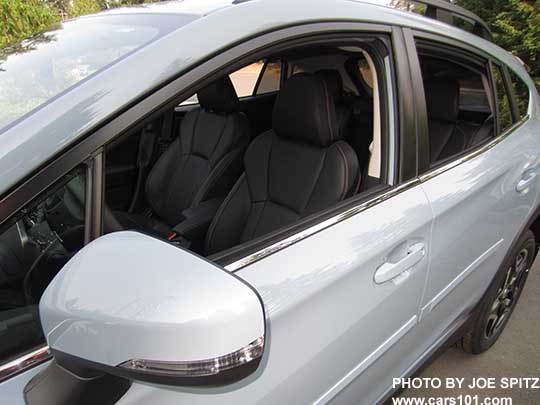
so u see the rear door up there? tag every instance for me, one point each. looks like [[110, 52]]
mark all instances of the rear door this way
[[481, 197]]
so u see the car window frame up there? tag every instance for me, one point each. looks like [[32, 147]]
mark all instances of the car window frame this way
[[429, 171], [35, 356], [479, 61], [167, 96]]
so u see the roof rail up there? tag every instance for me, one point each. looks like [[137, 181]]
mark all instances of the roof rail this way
[[444, 11]]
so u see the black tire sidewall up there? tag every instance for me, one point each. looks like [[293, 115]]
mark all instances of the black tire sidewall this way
[[479, 342]]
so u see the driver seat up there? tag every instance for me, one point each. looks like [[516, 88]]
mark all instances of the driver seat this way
[[202, 163]]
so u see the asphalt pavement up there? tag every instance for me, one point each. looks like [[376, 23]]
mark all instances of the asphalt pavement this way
[[515, 354]]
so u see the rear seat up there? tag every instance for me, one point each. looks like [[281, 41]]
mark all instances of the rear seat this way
[[448, 135]]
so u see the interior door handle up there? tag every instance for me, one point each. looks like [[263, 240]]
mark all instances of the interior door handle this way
[[389, 271], [526, 180]]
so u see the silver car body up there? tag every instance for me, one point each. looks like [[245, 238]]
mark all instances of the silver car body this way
[[333, 334]]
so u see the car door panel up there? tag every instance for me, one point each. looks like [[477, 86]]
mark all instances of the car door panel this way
[[328, 322], [13, 388]]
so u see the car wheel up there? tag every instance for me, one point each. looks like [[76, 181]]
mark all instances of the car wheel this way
[[501, 298]]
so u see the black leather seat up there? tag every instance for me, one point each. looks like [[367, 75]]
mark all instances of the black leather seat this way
[[202, 163], [334, 82], [446, 136], [298, 168]]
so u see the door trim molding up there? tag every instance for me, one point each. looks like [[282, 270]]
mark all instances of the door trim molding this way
[[471, 155], [367, 362], [25, 362], [458, 280], [297, 237]]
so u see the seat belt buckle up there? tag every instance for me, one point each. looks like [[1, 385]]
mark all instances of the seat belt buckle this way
[[179, 240]]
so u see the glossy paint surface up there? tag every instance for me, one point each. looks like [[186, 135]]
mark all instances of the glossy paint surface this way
[[11, 391], [129, 296]]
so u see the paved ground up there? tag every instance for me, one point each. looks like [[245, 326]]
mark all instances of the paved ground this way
[[516, 354]]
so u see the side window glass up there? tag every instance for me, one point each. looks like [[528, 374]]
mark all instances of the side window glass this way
[[245, 79], [503, 104], [365, 72], [33, 249], [271, 78], [190, 101], [458, 101], [521, 90]]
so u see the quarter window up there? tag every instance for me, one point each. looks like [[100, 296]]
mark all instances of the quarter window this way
[[245, 79], [521, 91], [33, 249], [503, 104], [254, 79], [271, 78]]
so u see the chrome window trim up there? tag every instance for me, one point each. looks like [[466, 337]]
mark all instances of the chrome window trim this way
[[474, 153], [24, 362], [348, 213]]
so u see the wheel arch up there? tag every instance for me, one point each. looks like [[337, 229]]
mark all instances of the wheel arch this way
[[534, 226]]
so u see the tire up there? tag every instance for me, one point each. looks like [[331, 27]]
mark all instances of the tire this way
[[501, 298]]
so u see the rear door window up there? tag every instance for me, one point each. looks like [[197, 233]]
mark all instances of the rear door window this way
[[459, 101]]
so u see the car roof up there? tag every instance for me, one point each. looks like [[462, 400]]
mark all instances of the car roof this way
[[194, 7], [40, 136]]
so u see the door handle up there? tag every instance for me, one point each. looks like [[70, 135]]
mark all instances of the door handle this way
[[389, 270], [526, 180]]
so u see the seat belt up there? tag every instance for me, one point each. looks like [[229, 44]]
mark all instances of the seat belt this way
[[144, 157]]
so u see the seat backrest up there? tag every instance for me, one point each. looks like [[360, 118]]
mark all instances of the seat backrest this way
[[296, 169], [446, 137], [334, 82], [206, 158]]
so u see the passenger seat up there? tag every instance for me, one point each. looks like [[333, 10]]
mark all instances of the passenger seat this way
[[334, 83], [298, 168]]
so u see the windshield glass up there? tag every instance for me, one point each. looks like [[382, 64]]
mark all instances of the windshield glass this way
[[37, 69]]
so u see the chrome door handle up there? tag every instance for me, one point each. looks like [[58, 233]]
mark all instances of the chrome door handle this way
[[526, 180], [389, 271]]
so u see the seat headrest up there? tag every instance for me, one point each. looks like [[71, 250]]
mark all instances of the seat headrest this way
[[304, 110], [219, 96], [334, 82], [442, 98]]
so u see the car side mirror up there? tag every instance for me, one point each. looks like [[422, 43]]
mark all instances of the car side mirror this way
[[136, 307]]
